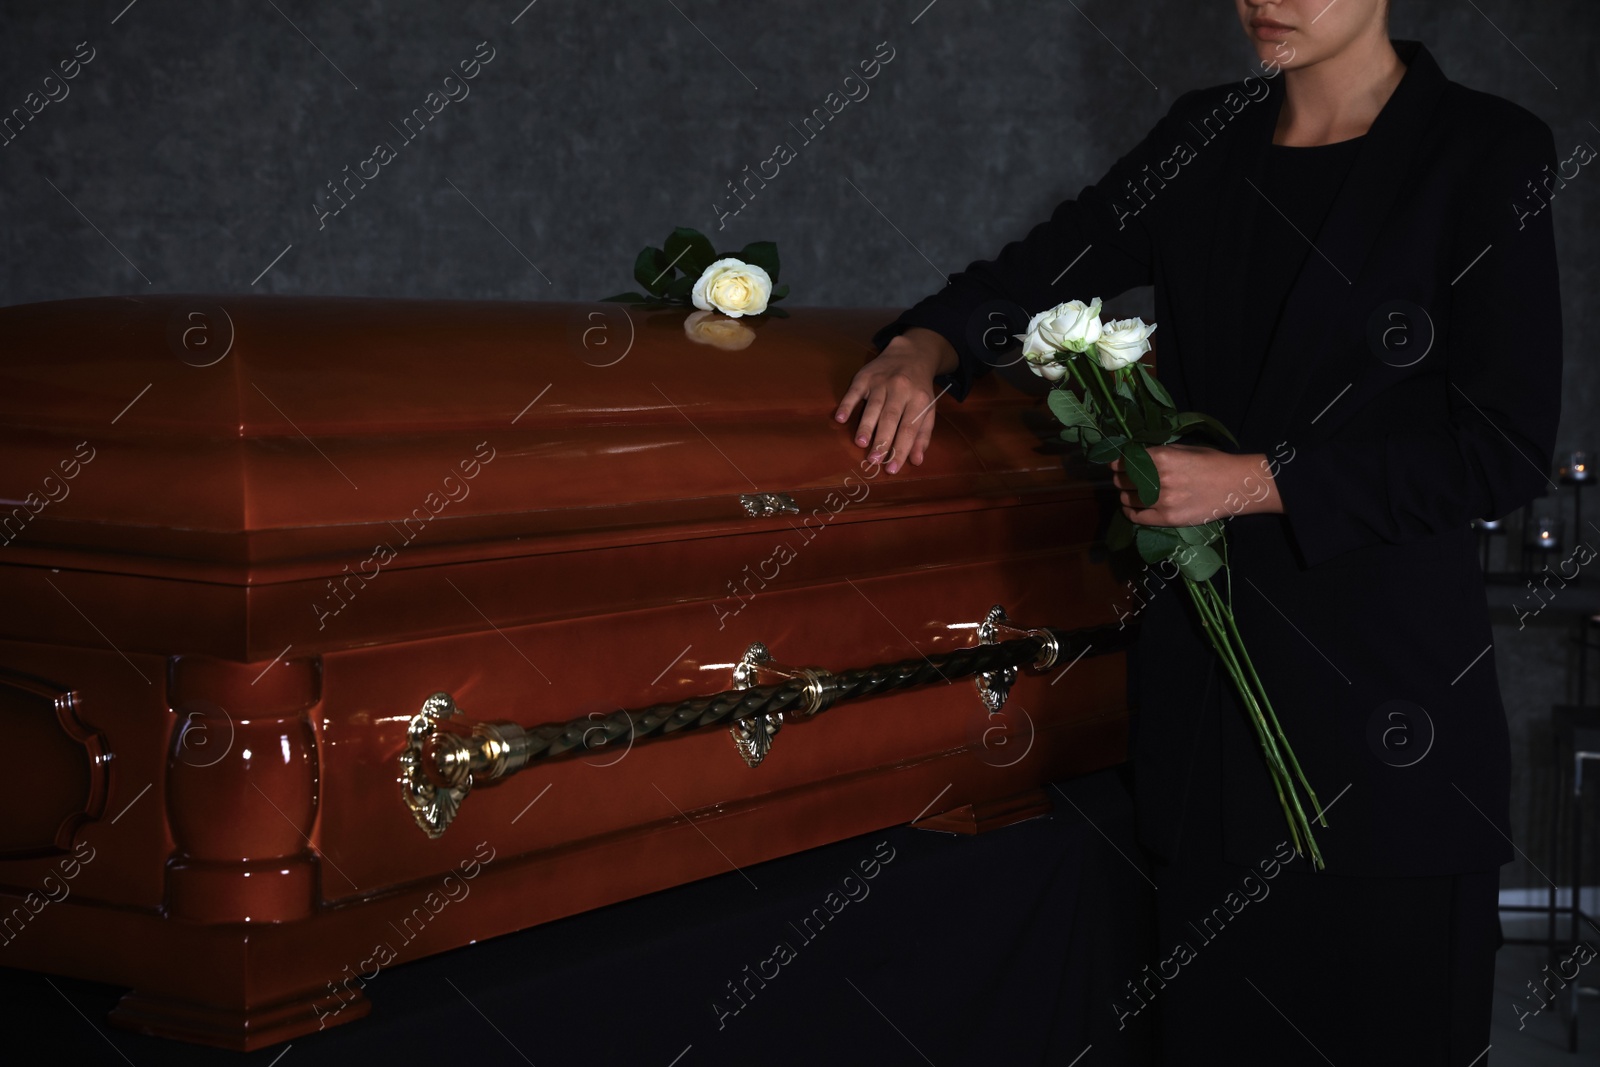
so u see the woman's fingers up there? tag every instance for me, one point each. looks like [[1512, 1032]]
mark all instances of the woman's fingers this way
[[905, 425], [870, 417], [919, 445], [913, 413], [868, 386], [896, 416], [906, 414]]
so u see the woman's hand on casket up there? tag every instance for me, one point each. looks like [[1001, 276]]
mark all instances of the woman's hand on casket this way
[[898, 395], [1199, 484]]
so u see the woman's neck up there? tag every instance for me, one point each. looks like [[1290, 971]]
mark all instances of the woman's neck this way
[[1337, 98]]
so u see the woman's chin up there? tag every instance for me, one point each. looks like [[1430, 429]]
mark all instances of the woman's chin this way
[[1273, 59]]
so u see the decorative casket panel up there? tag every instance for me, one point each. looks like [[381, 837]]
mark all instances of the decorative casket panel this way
[[246, 540]]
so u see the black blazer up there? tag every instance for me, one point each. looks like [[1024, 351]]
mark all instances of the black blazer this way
[[1364, 601]]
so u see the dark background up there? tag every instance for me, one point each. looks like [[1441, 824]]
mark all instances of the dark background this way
[[192, 149]]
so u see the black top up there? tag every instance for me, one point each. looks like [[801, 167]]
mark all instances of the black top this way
[[1297, 190]]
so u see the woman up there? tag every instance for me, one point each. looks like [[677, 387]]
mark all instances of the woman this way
[[1354, 268]]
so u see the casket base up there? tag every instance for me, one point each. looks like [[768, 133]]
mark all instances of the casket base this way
[[248, 986], [983, 816], [241, 1030]]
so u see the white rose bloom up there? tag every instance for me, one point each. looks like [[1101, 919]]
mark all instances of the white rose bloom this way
[[1123, 341], [1072, 326], [1052, 371], [733, 287]]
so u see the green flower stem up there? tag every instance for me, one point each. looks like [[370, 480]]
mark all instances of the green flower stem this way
[[1111, 399], [1222, 539], [1072, 368], [1204, 596], [1218, 644], [1244, 654], [1250, 695], [1215, 617], [1225, 613]]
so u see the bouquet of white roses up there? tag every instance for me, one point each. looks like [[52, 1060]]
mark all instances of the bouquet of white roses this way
[[1118, 410]]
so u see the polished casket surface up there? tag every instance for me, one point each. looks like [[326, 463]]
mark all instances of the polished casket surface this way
[[244, 538]]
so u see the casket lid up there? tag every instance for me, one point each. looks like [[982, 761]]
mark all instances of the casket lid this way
[[256, 438]]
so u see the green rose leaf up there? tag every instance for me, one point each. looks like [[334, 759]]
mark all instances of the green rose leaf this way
[[1069, 409], [1106, 449], [648, 270], [690, 251], [778, 293], [680, 287], [1134, 417], [1205, 533], [1155, 423], [1187, 420], [1157, 543], [1152, 415], [1157, 390], [1142, 469], [1198, 562], [763, 254], [1084, 436]]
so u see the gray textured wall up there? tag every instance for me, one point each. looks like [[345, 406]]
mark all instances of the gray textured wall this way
[[191, 151]]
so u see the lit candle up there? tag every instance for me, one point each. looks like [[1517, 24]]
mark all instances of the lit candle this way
[[1544, 532], [1577, 468]]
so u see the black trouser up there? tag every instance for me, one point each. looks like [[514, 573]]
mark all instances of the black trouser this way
[[1311, 968]]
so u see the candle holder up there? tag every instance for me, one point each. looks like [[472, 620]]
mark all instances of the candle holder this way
[[1541, 539], [1487, 530], [1577, 471]]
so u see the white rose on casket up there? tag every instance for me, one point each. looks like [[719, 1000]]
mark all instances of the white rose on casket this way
[[733, 287], [1123, 341]]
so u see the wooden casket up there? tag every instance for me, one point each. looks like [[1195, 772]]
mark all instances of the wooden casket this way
[[341, 632]]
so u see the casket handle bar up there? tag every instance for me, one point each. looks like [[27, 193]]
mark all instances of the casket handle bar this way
[[765, 505], [445, 755]]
